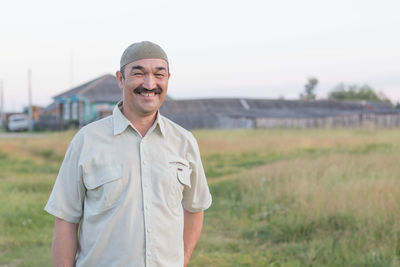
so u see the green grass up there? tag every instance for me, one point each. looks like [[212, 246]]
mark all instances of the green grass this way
[[280, 198], [25, 229]]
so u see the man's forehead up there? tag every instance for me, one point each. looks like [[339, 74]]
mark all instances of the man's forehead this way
[[148, 63]]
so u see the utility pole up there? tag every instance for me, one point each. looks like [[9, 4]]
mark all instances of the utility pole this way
[[30, 101], [71, 69]]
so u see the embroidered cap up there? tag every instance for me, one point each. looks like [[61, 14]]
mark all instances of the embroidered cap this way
[[142, 50]]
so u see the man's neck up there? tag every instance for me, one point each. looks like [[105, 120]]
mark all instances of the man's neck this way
[[141, 123]]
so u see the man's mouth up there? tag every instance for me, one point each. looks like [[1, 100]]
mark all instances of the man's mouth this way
[[146, 92]]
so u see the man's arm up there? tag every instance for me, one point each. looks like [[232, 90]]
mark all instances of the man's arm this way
[[65, 242], [193, 222]]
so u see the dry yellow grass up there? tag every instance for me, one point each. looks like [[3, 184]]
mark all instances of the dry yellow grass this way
[[35, 147], [282, 141], [366, 185], [280, 198]]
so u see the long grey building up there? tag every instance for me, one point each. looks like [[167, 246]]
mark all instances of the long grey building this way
[[96, 98], [268, 113]]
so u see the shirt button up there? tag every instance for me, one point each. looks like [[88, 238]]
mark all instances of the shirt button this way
[[144, 162]]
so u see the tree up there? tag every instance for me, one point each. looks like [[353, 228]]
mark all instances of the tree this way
[[355, 92], [309, 89]]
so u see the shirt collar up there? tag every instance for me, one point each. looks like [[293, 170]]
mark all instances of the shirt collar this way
[[121, 122], [160, 122]]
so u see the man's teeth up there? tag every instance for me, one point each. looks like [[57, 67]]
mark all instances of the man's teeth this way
[[147, 94]]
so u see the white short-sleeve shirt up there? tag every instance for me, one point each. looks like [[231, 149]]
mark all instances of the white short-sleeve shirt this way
[[128, 192]]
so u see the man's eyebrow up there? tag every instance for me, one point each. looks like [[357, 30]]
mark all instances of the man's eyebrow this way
[[137, 67], [161, 68], [141, 68]]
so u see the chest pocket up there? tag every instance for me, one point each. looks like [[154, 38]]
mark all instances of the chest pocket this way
[[180, 180], [104, 188]]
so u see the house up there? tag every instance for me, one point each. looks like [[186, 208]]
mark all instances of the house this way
[[89, 101]]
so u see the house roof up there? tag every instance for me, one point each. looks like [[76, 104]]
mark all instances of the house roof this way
[[102, 89], [241, 107]]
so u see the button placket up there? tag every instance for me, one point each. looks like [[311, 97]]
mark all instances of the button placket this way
[[145, 180]]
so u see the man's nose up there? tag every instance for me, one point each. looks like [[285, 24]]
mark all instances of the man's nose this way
[[149, 82]]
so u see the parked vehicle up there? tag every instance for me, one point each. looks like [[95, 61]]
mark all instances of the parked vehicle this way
[[18, 122]]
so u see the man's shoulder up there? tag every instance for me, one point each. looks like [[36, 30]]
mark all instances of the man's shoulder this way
[[100, 127], [176, 129], [102, 124]]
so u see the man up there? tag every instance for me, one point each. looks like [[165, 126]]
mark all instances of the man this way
[[132, 183]]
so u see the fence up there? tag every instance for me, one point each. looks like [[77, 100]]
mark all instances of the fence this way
[[365, 120]]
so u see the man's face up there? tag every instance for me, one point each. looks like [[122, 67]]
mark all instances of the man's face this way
[[145, 85]]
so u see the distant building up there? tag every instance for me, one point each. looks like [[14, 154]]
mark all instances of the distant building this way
[[36, 111], [87, 102], [270, 113], [96, 99], [50, 110]]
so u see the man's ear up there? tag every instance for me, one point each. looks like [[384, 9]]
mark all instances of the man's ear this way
[[120, 79]]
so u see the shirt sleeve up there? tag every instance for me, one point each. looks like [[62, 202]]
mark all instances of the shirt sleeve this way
[[66, 199], [197, 197]]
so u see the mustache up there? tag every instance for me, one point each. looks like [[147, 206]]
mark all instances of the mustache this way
[[141, 89]]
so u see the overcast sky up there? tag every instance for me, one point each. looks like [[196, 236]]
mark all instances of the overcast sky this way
[[253, 49]]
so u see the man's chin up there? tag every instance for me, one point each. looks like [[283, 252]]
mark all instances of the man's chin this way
[[143, 106], [148, 110]]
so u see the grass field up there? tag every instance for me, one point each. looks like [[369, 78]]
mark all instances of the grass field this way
[[280, 198]]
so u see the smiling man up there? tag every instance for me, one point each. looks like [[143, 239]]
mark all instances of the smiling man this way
[[132, 183]]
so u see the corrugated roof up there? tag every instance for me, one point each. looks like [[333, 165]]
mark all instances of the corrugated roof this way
[[274, 108], [102, 89], [212, 105]]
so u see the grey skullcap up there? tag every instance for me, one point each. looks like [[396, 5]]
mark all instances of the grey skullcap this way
[[142, 50]]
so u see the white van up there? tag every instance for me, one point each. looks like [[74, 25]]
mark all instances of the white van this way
[[18, 122]]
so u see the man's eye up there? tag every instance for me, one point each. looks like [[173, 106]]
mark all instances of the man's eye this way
[[138, 74], [159, 75]]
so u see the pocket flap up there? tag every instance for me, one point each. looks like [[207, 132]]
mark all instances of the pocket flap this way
[[178, 161], [183, 176], [97, 177]]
